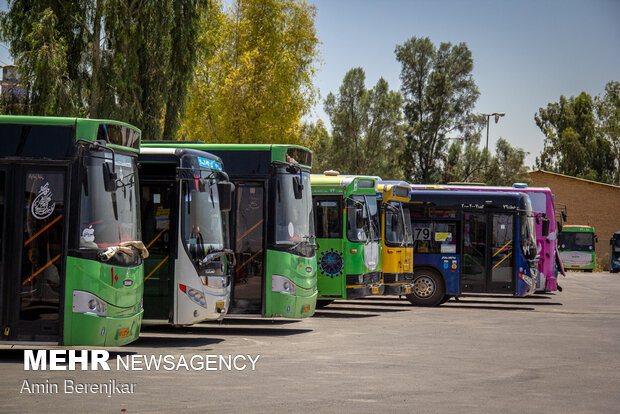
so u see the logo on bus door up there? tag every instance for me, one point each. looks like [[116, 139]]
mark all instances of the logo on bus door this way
[[41, 208]]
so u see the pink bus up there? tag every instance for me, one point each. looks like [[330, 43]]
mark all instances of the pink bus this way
[[543, 206]]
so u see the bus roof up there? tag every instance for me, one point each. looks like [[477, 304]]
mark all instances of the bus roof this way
[[285, 153], [177, 152], [115, 133], [349, 184], [578, 228], [393, 190]]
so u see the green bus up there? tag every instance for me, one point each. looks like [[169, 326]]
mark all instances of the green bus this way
[[576, 245], [348, 236], [183, 193], [270, 227], [71, 259]]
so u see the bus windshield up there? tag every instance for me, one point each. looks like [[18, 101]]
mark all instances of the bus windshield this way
[[397, 225], [202, 230], [362, 218], [580, 242], [108, 218], [528, 232], [294, 218]]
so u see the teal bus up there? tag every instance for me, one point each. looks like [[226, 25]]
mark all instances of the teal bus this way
[[348, 236], [71, 259], [183, 193], [270, 227]]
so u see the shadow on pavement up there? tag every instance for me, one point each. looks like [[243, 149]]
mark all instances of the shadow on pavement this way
[[501, 302], [364, 309], [342, 315], [211, 330], [250, 321], [455, 305], [173, 341]]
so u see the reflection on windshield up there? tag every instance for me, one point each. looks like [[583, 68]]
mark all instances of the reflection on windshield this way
[[362, 218], [396, 221], [201, 218], [581, 242], [294, 218], [108, 218], [528, 236]]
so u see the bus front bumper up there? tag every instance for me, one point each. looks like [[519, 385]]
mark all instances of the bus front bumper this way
[[93, 330], [357, 291], [292, 306], [397, 289]]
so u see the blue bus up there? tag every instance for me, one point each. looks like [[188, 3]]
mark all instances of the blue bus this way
[[471, 242], [614, 254]]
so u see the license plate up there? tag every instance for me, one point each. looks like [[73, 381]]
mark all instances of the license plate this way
[[375, 290], [306, 308], [407, 290], [219, 305], [123, 333]]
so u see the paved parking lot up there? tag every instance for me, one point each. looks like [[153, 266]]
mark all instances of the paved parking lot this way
[[546, 353]]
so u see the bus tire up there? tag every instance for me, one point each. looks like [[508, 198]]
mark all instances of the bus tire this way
[[445, 299], [320, 304], [428, 288]]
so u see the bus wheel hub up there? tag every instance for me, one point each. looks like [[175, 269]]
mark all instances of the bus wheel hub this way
[[424, 287]]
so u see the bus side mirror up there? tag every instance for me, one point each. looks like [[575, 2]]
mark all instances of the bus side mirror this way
[[595, 238], [559, 223], [109, 177], [611, 242], [564, 216], [545, 227], [225, 190], [298, 186]]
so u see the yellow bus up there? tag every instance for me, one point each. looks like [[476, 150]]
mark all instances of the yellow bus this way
[[397, 241]]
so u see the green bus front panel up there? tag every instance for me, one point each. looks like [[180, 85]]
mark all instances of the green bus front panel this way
[[120, 288], [301, 271], [331, 270]]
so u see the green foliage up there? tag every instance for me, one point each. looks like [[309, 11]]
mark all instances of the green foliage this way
[[366, 128], [317, 138], [439, 94], [253, 82], [469, 163], [581, 136], [105, 58]]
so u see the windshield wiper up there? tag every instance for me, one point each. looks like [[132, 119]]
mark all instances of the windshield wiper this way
[[128, 247], [304, 239]]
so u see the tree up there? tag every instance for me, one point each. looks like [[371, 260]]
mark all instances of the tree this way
[[439, 94], [575, 143], [254, 78], [317, 138], [105, 58], [366, 127], [608, 113], [507, 167]]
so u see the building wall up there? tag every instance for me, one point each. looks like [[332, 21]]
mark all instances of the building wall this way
[[587, 202]]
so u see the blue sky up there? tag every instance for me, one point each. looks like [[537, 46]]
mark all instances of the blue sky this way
[[526, 53]]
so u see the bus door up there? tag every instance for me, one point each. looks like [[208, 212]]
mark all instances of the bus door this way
[[488, 261], [248, 242], [159, 204], [328, 212], [32, 251]]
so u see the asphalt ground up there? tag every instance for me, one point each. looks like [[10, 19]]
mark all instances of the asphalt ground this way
[[546, 353]]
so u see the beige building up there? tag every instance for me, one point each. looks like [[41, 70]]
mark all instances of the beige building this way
[[588, 203]]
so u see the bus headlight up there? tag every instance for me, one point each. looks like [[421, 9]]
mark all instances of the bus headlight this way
[[84, 302], [195, 295], [281, 284]]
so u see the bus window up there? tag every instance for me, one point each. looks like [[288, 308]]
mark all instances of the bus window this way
[[328, 219], [501, 248], [434, 237]]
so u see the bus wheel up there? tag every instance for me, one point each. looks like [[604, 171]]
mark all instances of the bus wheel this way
[[428, 289], [320, 304]]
